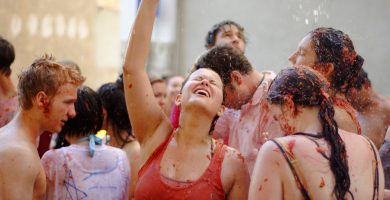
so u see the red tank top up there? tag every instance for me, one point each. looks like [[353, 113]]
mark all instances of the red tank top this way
[[153, 185], [350, 110]]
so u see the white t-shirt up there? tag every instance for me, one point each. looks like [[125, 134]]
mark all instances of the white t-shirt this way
[[71, 173]]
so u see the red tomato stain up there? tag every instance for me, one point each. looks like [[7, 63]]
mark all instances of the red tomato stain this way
[[239, 155], [322, 184], [130, 86], [321, 149], [291, 145]]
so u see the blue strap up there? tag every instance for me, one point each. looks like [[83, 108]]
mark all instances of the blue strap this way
[[93, 140]]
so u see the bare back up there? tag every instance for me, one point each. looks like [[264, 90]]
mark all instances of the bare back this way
[[313, 169], [22, 176], [376, 119]]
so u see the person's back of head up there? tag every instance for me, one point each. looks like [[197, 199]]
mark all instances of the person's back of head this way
[[306, 88], [113, 100], [224, 60], [89, 116], [7, 56], [332, 46], [46, 75]]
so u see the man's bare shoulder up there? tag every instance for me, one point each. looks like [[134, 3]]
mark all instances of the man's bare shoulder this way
[[14, 154]]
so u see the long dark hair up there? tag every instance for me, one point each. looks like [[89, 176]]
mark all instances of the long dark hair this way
[[335, 47], [307, 89], [113, 100]]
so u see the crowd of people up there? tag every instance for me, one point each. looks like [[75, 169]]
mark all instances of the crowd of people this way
[[223, 131]]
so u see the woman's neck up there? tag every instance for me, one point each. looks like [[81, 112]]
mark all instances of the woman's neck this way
[[306, 121], [193, 129]]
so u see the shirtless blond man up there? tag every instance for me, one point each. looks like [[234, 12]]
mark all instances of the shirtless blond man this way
[[46, 92]]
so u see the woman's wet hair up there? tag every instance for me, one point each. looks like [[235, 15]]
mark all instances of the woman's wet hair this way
[[212, 34], [307, 89], [335, 47], [89, 117], [114, 102]]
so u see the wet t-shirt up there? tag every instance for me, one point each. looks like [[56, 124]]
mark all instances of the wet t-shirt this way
[[8, 109], [249, 128], [71, 173]]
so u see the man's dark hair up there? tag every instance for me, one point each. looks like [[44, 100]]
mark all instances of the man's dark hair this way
[[7, 56], [224, 60], [211, 35]]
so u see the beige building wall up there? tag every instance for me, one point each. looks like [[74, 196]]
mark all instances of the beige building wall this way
[[66, 29]]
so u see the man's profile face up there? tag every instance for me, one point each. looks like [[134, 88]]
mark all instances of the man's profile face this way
[[61, 107]]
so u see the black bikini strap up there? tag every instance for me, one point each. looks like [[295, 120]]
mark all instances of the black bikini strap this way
[[296, 177], [318, 135], [376, 179]]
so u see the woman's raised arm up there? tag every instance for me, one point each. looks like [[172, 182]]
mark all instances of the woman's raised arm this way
[[144, 111]]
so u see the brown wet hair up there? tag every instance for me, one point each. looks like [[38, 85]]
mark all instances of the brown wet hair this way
[[46, 75], [224, 60], [332, 46], [306, 89]]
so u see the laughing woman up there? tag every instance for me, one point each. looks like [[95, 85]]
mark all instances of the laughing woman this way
[[182, 163]]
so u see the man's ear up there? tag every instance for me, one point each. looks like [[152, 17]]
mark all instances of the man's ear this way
[[41, 99], [236, 78], [178, 99], [221, 110]]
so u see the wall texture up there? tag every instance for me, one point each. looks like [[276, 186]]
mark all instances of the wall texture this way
[[86, 32]]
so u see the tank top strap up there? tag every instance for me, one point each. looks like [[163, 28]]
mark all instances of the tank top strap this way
[[219, 155], [157, 154], [293, 164], [375, 194]]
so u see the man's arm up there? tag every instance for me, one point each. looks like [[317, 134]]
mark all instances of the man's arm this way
[[18, 173]]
